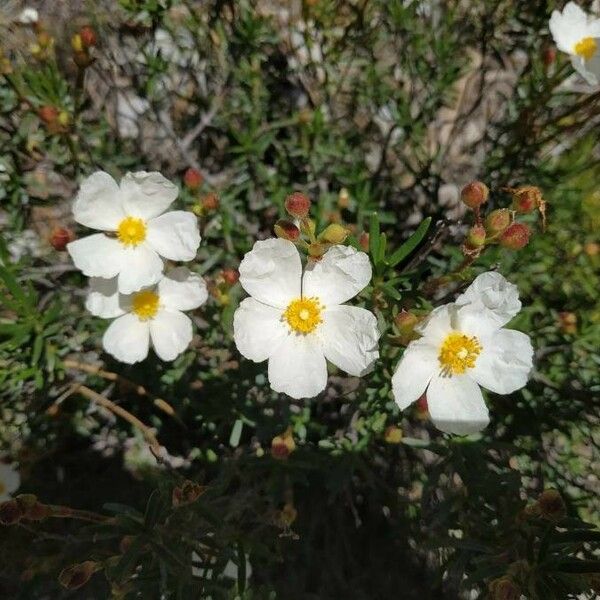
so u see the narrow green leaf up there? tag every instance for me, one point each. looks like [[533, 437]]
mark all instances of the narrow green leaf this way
[[374, 238], [236, 433], [410, 244]]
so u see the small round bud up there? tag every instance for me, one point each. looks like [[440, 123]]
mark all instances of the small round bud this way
[[77, 43], [286, 230], [297, 205], [10, 512], [526, 199], [210, 202], [363, 241], [406, 322], [60, 237], [82, 59], [231, 276], [192, 179], [64, 118], [48, 114], [283, 445], [316, 250], [567, 322], [305, 116], [497, 221], [334, 234], [476, 236], [88, 36], [393, 434], [76, 576], [187, 493], [504, 589], [474, 194], [552, 506], [515, 236], [343, 198], [592, 249], [548, 56]]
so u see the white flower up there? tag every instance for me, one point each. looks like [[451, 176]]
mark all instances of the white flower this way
[[10, 480], [28, 16], [578, 35], [297, 321], [152, 314], [463, 347], [141, 233]]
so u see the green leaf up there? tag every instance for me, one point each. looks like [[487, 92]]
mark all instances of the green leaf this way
[[374, 237], [410, 244], [236, 433]]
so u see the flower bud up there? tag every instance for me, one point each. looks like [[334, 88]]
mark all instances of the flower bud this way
[[88, 36], [393, 435], [64, 118], [504, 589], [592, 249], [192, 179], [334, 234], [187, 493], [297, 205], [10, 512], [497, 221], [48, 114], [343, 198], [552, 506], [567, 322], [283, 445], [210, 202], [78, 575], [363, 241], [526, 199], [77, 43], [316, 250], [548, 56], [231, 276], [82, 59], [406, 322], [60, 237], [515, 236], [474, 194], [476, 236], [286, 230], [422, 408]]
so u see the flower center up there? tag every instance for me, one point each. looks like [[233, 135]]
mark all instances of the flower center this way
[[145, 305], [458, 353], [131, 231], [586, 48], [303, 314]]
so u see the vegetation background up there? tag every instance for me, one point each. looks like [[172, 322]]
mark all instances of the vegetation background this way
[[368, 106]]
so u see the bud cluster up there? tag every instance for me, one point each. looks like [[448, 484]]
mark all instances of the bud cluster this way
[[55, 120], [23, 507], [82, 44], [205, 202], [301, 229], [500, 225], [221, 285]]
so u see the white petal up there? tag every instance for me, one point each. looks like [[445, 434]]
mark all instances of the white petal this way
[[492, 291], [568, 27], [174, 235], [171, 333], [147, 195], [103, 299], [438, 324], [477, 320], [298, 367], [456, 404], [271, 272], [141, 267], [127, 339], [181, 289], [417, 366], [98, 202], [350, 337], [258, 329], [338, 276], [505, 362], [97, 255]]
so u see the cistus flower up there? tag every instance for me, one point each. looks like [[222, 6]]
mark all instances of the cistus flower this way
[[149, 315], [464, 346], [578, 34], [10, 480], [296, 321], [139, 233]]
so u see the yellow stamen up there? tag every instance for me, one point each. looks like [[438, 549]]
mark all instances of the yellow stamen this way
[[586, 48], [303, 314], [145, 305], [458, 353], [131, 231]]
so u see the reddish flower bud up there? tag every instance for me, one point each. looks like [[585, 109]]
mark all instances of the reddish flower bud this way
[[567, 322], [187, 493], [231, 276], [60, 237], [210, 202], [88, 36], [474, 194], [283, 445], [286, 230], [76, 576], [48, 114], [515, 236], [192, 179], [393, 435], [552, 506], [497, 221], [526, 199], [422, 407], [476, 236], [548, 55], [363, 241], [297, 205]]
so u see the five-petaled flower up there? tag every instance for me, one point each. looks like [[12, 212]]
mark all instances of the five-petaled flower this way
[[140, 234], [151, 314], [296, 320], [464, 346], [578, 35], [10, 480]]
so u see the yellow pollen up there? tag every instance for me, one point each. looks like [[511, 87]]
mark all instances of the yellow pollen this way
[[586, 48], [131, 231], [458, 353], [145, 305], [303, 314]]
